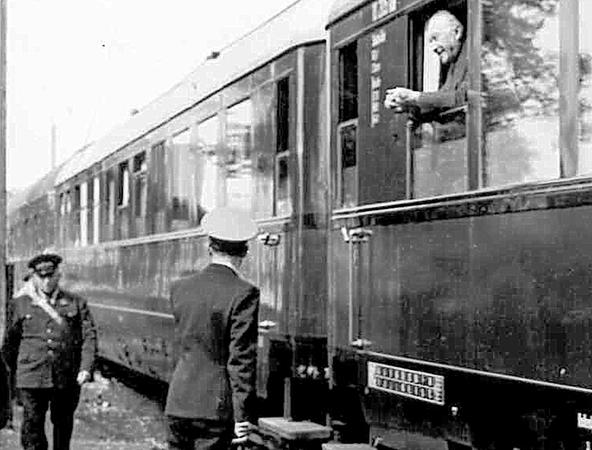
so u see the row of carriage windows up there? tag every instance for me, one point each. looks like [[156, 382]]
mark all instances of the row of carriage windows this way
[[530, 115], [179, 180]]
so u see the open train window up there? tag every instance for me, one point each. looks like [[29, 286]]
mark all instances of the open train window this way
[[347, 128], [439, 63], [282, 201]]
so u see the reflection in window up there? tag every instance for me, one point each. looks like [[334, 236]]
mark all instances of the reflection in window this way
[[84, 214], [140, 185], [96, 208], [585, 95], [348, 82], [283, 204], [238, 166], [438, 134], [123, 191], [183, 179], [347, 129], [348, 153], [207, 178], [520, 64]]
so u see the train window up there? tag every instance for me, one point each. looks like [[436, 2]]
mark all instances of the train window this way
[[238, 165], [158, 180], [438, 141], [585, 89], [520, 73], [208, 166], [348, 82], [282, 203], [83, 213], [123, 186], [347, 130], [110, 198], [140, 184], [182, 178], [96, 212]]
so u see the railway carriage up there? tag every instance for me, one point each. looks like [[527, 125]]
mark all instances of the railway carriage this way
[[244, 130], [424, 282], [459, 267]]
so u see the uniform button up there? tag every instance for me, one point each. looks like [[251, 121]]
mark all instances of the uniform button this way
[[50, 352], [49, 341], [48, 330]]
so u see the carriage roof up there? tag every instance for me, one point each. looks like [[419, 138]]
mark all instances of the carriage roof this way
[[341, 8], [302, 22]]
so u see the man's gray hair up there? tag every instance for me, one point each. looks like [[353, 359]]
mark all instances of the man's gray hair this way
[[447, 15]]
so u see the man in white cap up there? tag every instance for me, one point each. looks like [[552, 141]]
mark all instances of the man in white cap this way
[[215, 310]]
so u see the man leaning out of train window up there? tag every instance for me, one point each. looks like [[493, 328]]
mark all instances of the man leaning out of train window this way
[[445, 37]]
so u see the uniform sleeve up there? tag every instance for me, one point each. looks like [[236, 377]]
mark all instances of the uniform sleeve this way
[[12, 337], [89, 338], [242, 355]]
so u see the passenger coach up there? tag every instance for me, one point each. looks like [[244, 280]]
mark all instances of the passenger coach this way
[[460, 255], [245, 130]]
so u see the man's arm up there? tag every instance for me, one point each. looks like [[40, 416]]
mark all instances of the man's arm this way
[[89, 339], [242, 355], [12, 338]]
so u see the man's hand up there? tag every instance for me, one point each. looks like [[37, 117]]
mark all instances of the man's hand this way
[[83, 377], [398, 98], [241, 429]]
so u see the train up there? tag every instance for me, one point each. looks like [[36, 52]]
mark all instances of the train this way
[[424, 283]]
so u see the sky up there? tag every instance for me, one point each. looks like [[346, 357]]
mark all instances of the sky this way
[[84, 65]]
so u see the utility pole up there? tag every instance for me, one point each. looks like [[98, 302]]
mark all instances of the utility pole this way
[[3, 237]]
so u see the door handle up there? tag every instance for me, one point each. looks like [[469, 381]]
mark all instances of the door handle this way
[[267, 324], [361, 344]]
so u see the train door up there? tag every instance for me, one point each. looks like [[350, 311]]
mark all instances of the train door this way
[[274, 355]]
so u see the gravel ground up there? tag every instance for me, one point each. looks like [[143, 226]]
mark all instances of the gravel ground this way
[[110, 416]]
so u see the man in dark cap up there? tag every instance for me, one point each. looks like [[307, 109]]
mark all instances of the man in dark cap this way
[[51, 343], [213, 385]]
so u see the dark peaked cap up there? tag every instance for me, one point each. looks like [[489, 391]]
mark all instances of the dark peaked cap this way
[[45, 264]]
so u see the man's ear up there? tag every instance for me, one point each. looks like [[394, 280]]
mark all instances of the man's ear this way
[[458, 32]]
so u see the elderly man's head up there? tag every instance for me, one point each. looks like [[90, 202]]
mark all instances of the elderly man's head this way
[[444, 35]]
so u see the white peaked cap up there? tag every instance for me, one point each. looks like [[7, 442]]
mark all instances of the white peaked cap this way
[[230, 225]]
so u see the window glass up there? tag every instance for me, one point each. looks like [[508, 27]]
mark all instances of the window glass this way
[[283, 204], [96, 208], [520, 69], [207, 180], [438, 124], [123, 188], [140, 184], [347, 136], [238, 165], [585, 95], [348, 151], [348, 82], [182, 176], [84, 214]]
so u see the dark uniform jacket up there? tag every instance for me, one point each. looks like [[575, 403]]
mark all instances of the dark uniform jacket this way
[[216, 345], [45, 353], [453, 87]]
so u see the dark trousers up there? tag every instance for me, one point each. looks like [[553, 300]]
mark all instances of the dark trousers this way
[[198, 434], [62, 403]]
